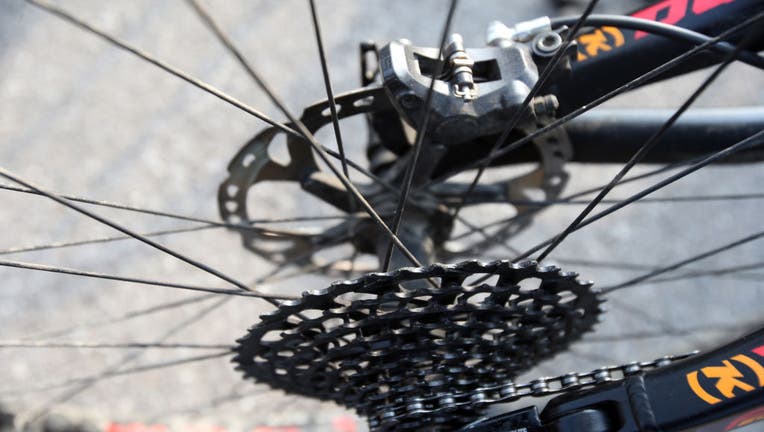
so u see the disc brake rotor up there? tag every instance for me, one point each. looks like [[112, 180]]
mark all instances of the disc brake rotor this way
[[254, 165]]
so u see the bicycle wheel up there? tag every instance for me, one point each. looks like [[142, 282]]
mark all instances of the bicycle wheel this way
[[136, 134]]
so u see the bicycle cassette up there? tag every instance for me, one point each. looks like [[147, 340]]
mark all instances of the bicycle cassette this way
[[419, 334]]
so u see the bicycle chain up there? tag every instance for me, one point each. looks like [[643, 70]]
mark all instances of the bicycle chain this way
[[394, 417]]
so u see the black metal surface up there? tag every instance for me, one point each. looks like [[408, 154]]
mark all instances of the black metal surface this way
[[632, 54], [525, 419], [613, 135], [716, 390], [503, 76], [253, 164], [382, 340]]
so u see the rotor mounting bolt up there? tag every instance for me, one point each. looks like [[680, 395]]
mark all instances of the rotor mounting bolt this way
[[460, 65], [545, 105], [408, 100], [547, 43]]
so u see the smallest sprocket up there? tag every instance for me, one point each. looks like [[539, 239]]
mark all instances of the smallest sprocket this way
[[389, 338]]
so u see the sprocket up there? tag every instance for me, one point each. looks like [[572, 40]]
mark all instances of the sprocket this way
[[390, 338]]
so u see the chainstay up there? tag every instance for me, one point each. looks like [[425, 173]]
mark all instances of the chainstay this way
[[393, 415]]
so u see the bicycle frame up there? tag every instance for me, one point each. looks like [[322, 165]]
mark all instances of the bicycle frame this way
[[719, 391], [608, 57]]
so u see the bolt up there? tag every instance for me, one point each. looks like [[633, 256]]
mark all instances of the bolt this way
[[545, 105], [408, 100], [461, 67], [547, 43]]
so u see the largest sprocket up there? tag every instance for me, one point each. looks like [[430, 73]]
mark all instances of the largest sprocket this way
[[390, 338]]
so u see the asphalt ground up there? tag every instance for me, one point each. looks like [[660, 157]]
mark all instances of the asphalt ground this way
[[79, 116]]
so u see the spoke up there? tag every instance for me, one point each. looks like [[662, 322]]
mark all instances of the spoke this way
[[380, 181], [650, 315], [666, 30], [108, 239], [161, 307], [645, 315], [486, 236], [668, 199], [644, 149], [515, 119], [212, 223], [643, 79], [615, 265], [5, 173], [82, 384], [649, 334], [726, 271], [127, 371], [276, 276], [304, 132], [330, 95], [229, 45], [748, 143], [353, 259], [320, 150], [66, 16], [420, 133], [483, 228], [234, 395], [89, 345], [570, 198], [682, 263], [81, 273], [634, 178], [564, 201], [703, 198]]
